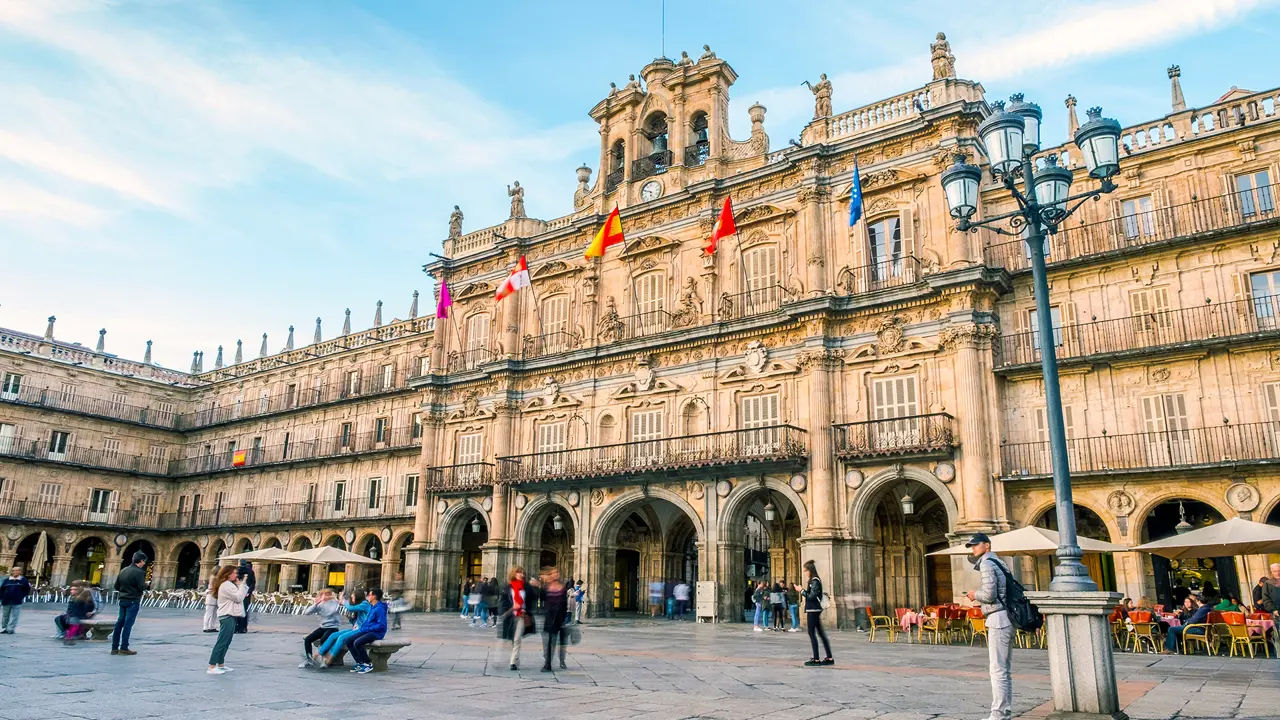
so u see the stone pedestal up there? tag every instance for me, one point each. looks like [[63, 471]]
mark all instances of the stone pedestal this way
[[1081, 668]]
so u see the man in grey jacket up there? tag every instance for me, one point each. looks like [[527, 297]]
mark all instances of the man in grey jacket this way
[[992, 595]]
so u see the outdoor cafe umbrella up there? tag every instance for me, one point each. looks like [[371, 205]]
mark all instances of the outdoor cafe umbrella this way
[[267, 555], [1233, 537], [1034, 541], [40, 556], [327, 555]]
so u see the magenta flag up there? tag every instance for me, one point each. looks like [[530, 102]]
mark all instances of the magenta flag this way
[[442, 307]]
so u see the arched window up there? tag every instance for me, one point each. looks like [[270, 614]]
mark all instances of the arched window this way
[[699, 148], [617, 155], [884, 246], [658, 158]]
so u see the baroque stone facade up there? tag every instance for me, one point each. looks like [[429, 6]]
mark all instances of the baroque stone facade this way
[[860, 396]]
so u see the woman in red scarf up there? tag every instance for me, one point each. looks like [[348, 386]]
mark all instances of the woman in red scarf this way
[[517, 621]]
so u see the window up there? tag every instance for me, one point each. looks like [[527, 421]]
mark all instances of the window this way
[[317, 389], [339, 495], [11, 386], [344, 436], [1253, 192], [424, 366], [264, 402], [291, 395], [651, 302], [470, 449], [1266, 299], [1271, 394], [555, 323], [50, 493], [110, 447], [381, 430], [352, 385], [8, 438], [164, 412], [884, 242], [58, 442], [698, 153], [1042, 423], [6, 489], [760, 413], [1055, 317], [646, 431], [1165, 421], [118, 401], [375, 488], [387, 377], [182, 506], [417, 426], [237, 409], [1150, 310], [68, 391], [1138, 219], [148, 504], [256, 455], [231, 450], [100, 502], [284, 449], [551, 443], [477, 332], [894, 400], [617, 156], [760, 265], [157, 456], [411, 490]]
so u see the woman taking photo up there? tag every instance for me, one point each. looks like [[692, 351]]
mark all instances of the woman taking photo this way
[[812, 595], [229, 588]]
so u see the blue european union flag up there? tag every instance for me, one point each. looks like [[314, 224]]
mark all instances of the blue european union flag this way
[[855, 197]]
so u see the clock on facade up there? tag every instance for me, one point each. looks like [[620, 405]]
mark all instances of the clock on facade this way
[[651, 190]]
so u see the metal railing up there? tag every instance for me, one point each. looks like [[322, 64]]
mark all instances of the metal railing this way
[[84, 456], [772, 444], [697, 153], [334, 508], [613, 180], [911, 435], [467, 476], [645, 323], [536, 346], [366, 385], [80, 514], [459, 361], [46, 397], [1222, 445], [895, 272], [752, 302], [1257, 316], [649, 165], [350, 444], [1234, 210]]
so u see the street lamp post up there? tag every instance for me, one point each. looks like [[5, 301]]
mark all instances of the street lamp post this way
[[1079, 640]]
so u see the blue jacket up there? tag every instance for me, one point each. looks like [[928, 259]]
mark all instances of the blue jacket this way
[[1201, 615], [376, 621], [361, 609], [13, 592]]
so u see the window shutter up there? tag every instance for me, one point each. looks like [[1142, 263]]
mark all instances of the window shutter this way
[[1069, 316], [1042, 425], [1241, 286], [907, 229]]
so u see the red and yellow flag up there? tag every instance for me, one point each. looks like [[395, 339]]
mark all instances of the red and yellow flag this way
[[610, 234], [724, 227], [239, 457]]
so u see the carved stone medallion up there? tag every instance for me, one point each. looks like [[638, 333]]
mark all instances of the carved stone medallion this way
[[1243, 498], [1121, 503], [14, 532], [946, 472], [697, 491], [723, 488], [441, 506], [853, 479], [799, 482], [889, 338], [574, 498], [487, 503], [521, 501], [385, 534], [757, 356], [204, 541], [597, 497]]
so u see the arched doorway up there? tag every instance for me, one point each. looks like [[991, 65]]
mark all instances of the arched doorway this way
[[336, 572], [269, 573], [399, 548], [146, 548], [1173, 579], [644, 546], [761, 525], [188, 572], [1273, 518], [1101, 566], [905, 518], [370, 575], [217, 549], [475, 533], [88, 559], [302, 577], [27, 551]]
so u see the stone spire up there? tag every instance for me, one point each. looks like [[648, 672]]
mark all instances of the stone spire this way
[[195, 362], [316, 340], [102, 340], [48, 331], [239, 351], [377, 315], [262, 351], [1072, 123], [146, 357], [217, 361], [200, 362], [288, 344], [1179, 103], [346, 324], [413, 309]]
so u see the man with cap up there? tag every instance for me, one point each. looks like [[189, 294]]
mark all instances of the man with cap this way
[[991, 596]]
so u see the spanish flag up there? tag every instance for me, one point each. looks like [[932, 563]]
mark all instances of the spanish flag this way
[[724, 227], [239, 458], [610, 234]]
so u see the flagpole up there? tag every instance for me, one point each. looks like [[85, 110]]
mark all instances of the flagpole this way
[[742, 269], [537, 308]]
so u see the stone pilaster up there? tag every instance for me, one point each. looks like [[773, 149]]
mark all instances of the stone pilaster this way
[[1081, 668], [971, 344], [288, 577], [815, 235], [822, 488], [61, 566], [415, 577]]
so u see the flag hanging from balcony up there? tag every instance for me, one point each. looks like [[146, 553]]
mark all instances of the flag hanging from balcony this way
[[518, 279], [239, 457], [442, 307], [610, 234], [724, 227], [855, 196]]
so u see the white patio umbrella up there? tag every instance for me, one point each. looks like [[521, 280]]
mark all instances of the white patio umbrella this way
[[327, 555], [267, 555], [1233, 537], [40, 556], [1034, 541]]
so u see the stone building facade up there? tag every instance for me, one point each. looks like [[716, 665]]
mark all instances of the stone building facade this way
[[857, 395]]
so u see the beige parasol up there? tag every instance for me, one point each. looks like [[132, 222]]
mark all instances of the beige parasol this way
[[267, 555], [1034, 541], [1233, 537], [40, 555], [327, 555]]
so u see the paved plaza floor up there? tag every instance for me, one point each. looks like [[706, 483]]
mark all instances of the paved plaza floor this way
[[625, 668]]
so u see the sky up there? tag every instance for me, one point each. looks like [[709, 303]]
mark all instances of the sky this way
[[194, 173]]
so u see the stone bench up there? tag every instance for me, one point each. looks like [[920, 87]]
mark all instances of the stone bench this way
[[98, 630], [380, 651]]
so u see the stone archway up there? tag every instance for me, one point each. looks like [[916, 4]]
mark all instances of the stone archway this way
[[461, 534], [769, 510], [186, 557], [1170, 582], [88, 560], [547, 534], [304, 576], [1089, 524], [27, 550]]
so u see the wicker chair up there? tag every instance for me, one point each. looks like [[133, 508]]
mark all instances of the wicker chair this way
[[977, 626], [1206, 637], [934, 626], [881, 622]]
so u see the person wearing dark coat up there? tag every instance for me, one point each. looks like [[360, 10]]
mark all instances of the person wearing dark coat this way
[[245, 571], [517, 597], [555, 612]]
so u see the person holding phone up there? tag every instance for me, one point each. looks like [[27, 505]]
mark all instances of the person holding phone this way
[[812, 594]]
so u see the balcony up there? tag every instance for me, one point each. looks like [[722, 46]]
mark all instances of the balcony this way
[[757, 301], [613, 180], [464, 478], [772, 447], [333, 447], [644, 324], [96, 458], [1219, 323], [895, 272], [1203, 218], [1210, 447], [536, 346], [96, 407], [650, 165], [697, 153], [27, 510], [329, 510], [462, 361], [914, 436], [372, 385]]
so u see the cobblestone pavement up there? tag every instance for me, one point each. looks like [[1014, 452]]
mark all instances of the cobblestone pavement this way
[[636, 668]]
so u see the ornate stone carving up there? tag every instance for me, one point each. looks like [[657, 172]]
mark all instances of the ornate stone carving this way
[[821, 97], [696, 490], [1121, 503], [455, 222], [597, 497], [610, 328], [517, 201], [1243, 498], [882, 177], [471, 403], [953, 335], [944, 63], [551, 387], [824, 358], [757, 356], [946, 157], [690, 308], [1159, 375], [889, 338]]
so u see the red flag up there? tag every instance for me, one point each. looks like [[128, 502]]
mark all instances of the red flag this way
[[724, 227]]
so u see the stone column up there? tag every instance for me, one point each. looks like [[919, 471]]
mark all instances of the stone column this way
[[972, 343], [207, 570], [815, 245], [319, 577], [511, 322], [389, 567], [162, 577], [1081, 668], [822, 487], [61, 566], [288, 576], [716, 124], [499, 516], [7, 560], [416, 560], [600, 577]]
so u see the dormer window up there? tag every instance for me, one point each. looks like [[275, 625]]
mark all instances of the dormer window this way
[[697, 152]]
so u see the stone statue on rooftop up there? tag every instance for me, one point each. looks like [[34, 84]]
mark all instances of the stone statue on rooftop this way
[[821, 97], [944, 63], [517, 200], [455, 222], [684, 58], [707, 54]]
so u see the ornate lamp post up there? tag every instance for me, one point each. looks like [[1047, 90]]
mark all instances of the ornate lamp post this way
[[1083, 669]]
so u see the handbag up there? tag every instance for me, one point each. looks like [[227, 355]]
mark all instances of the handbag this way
[[575, 634], [528, 623], [825, 601]]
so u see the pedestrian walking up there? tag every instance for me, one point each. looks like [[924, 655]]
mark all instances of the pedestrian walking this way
[[373, 628], [210, 610], [230, 589], [481, 612], [682, 599], [793, 604], [397, 606], [250, 580], [80, 608], [573, 600], [655, 598], [555, 612], [992, 596], [778, 606], [580, 604], [465, 602], [757, 598], [131, 583], [326, 605], [473, 601], [813, 596], [514, 608], [13, 593], [491, 590]]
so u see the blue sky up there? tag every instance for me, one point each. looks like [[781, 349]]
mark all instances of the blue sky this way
[[197, 172]]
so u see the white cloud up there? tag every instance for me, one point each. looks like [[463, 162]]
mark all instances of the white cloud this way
[[25, 203]]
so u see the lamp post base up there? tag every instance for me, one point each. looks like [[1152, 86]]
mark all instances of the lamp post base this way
[[1081, 668]]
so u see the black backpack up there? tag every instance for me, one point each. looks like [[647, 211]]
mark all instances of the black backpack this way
[[1025, 616]]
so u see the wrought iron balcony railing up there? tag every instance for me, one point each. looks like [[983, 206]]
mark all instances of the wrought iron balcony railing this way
[[82, 456], [350, 444], [895, 272], [1190, 448], [47, 397], [613, 180], [697, 153], [911, 436], [460, 478], [536, 346], [22, 510], [644, 324], [752, 302], [772, 445], [469, 359], [1207, 216], [329, 509], [1259, 316], [369, 385], [649, 165]]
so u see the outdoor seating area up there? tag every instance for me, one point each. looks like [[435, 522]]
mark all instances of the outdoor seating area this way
[[1236, 634], [948, 624]]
